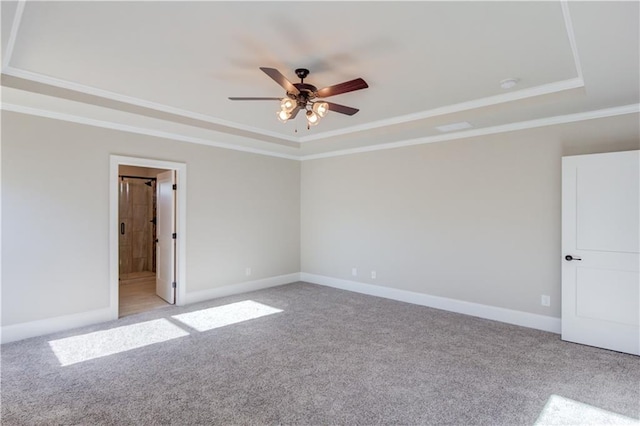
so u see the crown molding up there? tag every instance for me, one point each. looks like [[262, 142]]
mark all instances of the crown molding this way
[[545, 89], [568, 24], [138, 130], [530, 92], [522, 125], [89, 90], [13, 35]]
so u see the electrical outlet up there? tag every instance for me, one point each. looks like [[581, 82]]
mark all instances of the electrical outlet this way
[[545, 300], [373, 275], [247, 271], [354, 272]]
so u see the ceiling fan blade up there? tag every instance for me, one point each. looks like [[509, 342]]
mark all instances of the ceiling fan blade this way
[[280, 79], [294, 112], [253, 99], [342, 109], [347, 86]]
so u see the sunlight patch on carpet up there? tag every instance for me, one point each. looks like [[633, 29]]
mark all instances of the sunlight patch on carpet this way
[[220, 316], [564, 411], [72, 350]]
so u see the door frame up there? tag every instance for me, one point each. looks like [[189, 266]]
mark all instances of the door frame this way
[[115, 161]]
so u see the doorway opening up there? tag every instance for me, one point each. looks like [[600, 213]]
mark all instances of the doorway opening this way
[[137, 216], [147, 238]]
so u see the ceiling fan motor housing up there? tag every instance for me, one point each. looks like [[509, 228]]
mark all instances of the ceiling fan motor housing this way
[[306, 93]]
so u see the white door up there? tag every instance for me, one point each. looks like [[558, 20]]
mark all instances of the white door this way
[[600, 246], [165, 236]]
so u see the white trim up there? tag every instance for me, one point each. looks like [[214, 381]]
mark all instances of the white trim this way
[[138, 130], [544, 89], [51, 325], [530, 92], [12, 333], [52, 81], [15, 25], [25, 330], [509, 316], [181, 221], [244, 287], [568, 23], [522, 125]]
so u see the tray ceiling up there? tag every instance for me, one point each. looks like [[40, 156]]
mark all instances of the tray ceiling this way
[[426, 63]]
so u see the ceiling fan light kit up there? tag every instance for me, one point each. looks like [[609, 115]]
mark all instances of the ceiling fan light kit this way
[[288, 104], [312, 118], [300, 96], [321, 108], [283, 115]]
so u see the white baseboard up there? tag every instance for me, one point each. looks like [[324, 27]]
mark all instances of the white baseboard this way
[[231, 289], [25, 330], [12, 333], [509, 316]]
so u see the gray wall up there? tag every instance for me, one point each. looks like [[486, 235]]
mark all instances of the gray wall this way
[[476, 220], [243, 211]]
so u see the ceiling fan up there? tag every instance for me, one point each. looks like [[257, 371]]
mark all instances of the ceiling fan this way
[[302, 96]]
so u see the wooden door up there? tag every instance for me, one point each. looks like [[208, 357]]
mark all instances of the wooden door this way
[[165, 236]]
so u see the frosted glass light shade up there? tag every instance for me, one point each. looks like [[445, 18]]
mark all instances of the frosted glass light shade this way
[[287, 104], [321, 108], [283, 115], [312, 118]]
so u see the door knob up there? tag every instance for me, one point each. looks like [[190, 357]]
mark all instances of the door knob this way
[[569, 258]]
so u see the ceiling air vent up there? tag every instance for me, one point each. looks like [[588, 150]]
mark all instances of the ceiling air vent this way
[[454, 126]]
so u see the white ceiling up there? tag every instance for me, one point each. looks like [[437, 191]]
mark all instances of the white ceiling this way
[[167, 68]]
